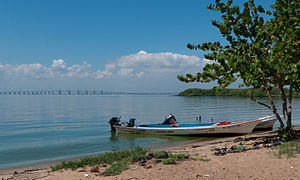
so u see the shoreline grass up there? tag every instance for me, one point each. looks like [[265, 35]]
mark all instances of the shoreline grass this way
[[121, 160], [290, 149]]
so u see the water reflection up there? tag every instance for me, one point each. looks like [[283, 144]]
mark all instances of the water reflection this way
[[114, 136], [131, 136], [161, 140]]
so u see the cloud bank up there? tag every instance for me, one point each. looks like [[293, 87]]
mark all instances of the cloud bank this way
[[135, 66], [165, 61], [143, 63], [58, 69]]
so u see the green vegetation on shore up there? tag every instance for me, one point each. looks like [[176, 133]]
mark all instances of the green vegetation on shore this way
[[289, 149], [233, 92], [121, 160]]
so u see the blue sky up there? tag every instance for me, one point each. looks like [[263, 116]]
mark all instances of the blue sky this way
[[136, 46]]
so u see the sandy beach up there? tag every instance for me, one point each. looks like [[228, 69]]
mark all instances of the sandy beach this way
[[255, 163]]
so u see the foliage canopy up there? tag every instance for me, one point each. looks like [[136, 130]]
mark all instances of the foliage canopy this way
[[262, 53]]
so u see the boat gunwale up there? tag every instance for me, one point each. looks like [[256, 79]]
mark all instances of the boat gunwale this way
[[192, 128]]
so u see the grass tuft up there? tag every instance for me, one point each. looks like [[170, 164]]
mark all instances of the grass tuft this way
[[159, 154], [173, 158], [117, 168], [203, 159], [121, 160], [289, 149], [179, 156], [129, 156], [170, 160]]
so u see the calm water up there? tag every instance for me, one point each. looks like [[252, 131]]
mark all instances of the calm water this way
[[38, 129]]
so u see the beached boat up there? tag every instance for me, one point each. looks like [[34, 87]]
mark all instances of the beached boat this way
[[267, 123], [171, 127]]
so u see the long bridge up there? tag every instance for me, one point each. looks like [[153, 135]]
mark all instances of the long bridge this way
[[70, 92], [59, 92]]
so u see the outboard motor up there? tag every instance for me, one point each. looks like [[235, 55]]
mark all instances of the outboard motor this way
[[114, 121], [170, 119], [131, 122]]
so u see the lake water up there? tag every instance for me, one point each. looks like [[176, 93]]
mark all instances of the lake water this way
[[43, 128]]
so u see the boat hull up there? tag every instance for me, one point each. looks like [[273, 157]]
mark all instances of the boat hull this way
[[233, 128], [266, 124]]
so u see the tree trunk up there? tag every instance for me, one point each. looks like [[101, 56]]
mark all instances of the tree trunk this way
[[283, 98], [273, 107], [289, 120]]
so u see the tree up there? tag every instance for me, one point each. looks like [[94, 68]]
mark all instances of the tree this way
[[262, 53]]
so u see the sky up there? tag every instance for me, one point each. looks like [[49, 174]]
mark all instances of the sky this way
[[115, 45]]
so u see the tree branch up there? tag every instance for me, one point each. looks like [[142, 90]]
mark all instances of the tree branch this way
[[258, 102]]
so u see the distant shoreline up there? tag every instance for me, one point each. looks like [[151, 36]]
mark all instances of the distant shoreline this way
[[233, 92]]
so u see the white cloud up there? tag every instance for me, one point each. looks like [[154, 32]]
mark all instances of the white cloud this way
[[101, 74], [123, 72], [58, 69], [165, 61], [110, 67], [36, 71], [139, 65], [59, 64]]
